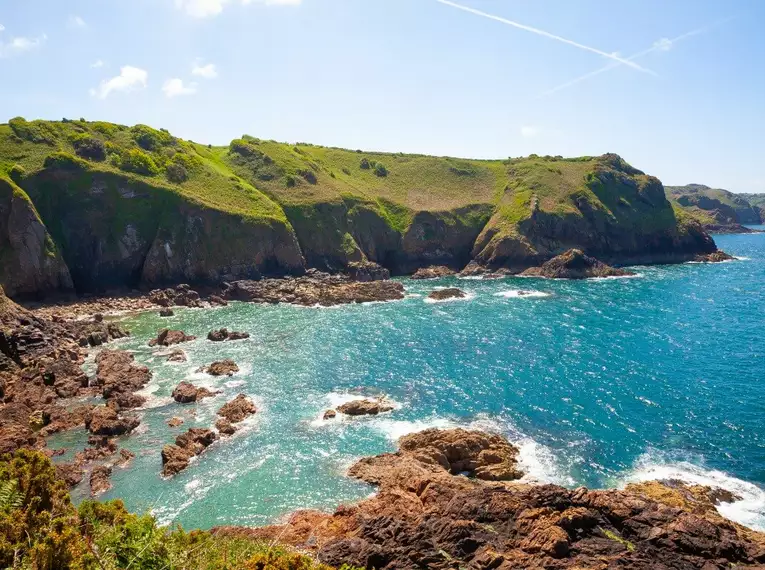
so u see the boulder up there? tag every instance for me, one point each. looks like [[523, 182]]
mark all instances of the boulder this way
[[176, 458], [166, 313], [238, 409], [433, 272], [364, 407], [71, 473], [185, 393], [177, 355], [216, 300], [714, 257], [330, 415], [167, 337], [223, 334], [448, 293], [366, 271], [175, 421], [104, 420], [574, 264], [225, 427], [221, 368]]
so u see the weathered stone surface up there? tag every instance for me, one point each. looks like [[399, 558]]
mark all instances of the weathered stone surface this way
[[118, 376], [222, 368], [175, 421], [364, 407], [329, 415], [238, 409], [714, 257], [185, 393], [366, 271], [448, 293], [225, 427], [167, 337], [104, 420], [574, 264], [433, 272], [175, 458], [224, 334], [99, 480]]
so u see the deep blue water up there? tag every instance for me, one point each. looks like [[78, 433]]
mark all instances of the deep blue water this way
[[600, 382]]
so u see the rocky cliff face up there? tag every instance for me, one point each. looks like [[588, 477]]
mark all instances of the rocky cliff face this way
[[30, 263], [718, 210]]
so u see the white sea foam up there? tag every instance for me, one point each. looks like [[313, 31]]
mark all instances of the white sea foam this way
[[395, 429], [336, 399], [749, 511], [522, 294]]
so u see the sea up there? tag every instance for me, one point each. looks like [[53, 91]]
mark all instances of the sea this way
[[600, 383]]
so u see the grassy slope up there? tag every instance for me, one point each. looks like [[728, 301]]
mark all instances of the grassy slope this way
[[737, 202], [319, 190]]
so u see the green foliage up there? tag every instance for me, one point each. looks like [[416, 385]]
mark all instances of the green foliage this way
[[17, 172], [364, 165], [380, 170], [34, 131], [177, 173], [151, 139], [10, 498], [138, 162], [89, 147], [64, 161], [308, 175]]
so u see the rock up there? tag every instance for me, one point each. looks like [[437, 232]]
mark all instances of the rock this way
[[366, 271], [177, 355], [71, 473], [714, 257], [99, 480], [185, 393], [175, 421], [448, 293], [238, 409], [364, 407], [166, 313], [223, 334], [574, 264], [67, 378], [126, 456], [98, 318], [167, 337], [104, 420], [215, 300], [225, 427], [433, 272], [176, 458], [222, 368], [118, 376], [330, 415]]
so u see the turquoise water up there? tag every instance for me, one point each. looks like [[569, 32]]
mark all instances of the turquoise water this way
[[600, 382]]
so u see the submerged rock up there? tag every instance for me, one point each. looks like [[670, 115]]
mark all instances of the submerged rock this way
[[574, 264], [238, 409], [433, 272], [223, 334], [185, 393], [175, 421], [221, 368], [363, 407], [448, 293], [167, 337]]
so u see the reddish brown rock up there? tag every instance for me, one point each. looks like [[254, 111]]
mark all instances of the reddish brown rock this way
[[104, 420], [448, 293], [433, 272], [222, 368], [71, 473], [176, 458], [364, 407], [574, 264], [224, 334], [216, 300], [167, 337], [185, 393], [366, 271], [329, 415], [175, 421], [225, 427], [238, 409], [118, 376], [99, 480]]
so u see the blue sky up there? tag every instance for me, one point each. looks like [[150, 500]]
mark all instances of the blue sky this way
[[411, 75]]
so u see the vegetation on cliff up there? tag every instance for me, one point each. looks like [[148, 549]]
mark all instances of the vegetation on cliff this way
[[136, 206], [717, 209], [41, 529]]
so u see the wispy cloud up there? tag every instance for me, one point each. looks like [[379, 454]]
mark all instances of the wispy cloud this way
[[129, 79], [207, 71], [545, 34], [2, 28], [20, 45], [661, 45], [97, 64], [174, 87], [210, 8], [76, 23]]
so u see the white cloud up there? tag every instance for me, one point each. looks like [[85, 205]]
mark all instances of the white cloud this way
[[207, 71], [75, 22], [530, 131], [664, 44], [21, 45], [96, 64], [175, 87], [210, 8], [129, 79], [2, 28]]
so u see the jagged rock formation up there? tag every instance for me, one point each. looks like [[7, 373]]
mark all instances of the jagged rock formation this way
[[162, 210], [574, 264]]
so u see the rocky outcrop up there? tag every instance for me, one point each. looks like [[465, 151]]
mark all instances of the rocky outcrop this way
[[99, 480], [186, 393], [176, 457], [180, 296], [718, 210], [106, 421], [118, 376], [433, 272], [450, 499], [715, 257], [167, 337], [447, 293], [238, 409], [224, 334], [574, 264], [366, 271], [315, 288], [221, 368], [363, 407]]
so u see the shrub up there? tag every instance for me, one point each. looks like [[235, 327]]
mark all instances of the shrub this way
[[64, 161], [89, 147], [243, 148], [138, 162], [380, 170], [104, 128], [150, 139], [291, 181], [177, 173], [346, 170], [364, 164], [17, 172], [309, 176], [35, 131]]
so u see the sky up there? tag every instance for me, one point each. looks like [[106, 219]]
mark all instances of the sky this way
[[675, 87]]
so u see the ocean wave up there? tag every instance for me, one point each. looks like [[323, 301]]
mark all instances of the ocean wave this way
[[335, 399], [749, 511], [522, 294]]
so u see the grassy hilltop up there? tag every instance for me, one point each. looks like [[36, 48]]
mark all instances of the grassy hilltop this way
[[137, 206]]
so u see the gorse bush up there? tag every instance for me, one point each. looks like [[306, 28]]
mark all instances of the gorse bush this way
[[138, 162], [41, 530], [380, 170], [151, 139], [64, 161], [89, 147], [33, 131], [364, 165], [177, 173]]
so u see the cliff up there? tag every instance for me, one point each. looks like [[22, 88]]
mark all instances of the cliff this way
[[716, 209], [109, 206]]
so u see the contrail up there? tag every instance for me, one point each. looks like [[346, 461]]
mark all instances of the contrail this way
[[657, 46], [616, 58]]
